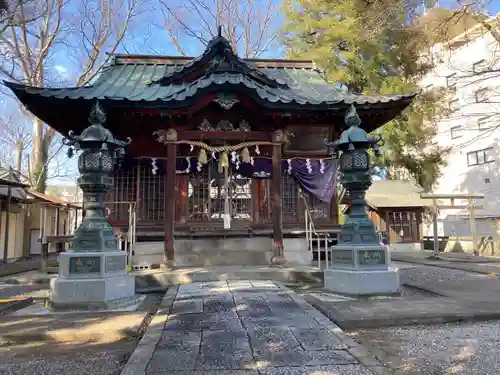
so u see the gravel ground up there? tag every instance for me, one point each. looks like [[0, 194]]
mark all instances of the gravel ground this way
[[465, 349], [420, 273], [50, 357], [64, 359], [458, 348]]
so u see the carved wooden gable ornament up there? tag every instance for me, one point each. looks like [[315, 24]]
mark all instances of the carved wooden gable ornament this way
[[224, 126]]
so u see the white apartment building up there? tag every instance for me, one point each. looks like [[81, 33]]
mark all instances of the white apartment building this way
[[469, 65]]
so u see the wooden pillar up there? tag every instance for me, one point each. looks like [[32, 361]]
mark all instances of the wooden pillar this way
[[7, 222], [435, 228], [334, 208], [278, 255], [473, 228], [169, 216], [58, 220], [255, 186]]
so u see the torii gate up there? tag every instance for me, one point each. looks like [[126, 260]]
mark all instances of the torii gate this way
[[470, 206]]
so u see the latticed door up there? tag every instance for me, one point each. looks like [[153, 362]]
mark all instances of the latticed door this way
[[207, 194]]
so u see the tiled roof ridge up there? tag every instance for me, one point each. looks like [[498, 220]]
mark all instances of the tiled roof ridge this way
[[132, 59]]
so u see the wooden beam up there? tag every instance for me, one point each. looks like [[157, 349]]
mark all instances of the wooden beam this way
[[451, 196], [217, 135], [459, 207]]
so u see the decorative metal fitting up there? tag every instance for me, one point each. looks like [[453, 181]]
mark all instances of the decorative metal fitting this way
[[354, 137], [96, 136]]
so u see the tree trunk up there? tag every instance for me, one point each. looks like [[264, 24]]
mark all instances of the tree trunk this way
[[40, 157], [19, 156]]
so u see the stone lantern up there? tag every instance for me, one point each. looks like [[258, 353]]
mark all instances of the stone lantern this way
[[92, 273], [360, 263]]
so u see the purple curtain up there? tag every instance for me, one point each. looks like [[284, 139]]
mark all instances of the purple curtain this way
[[316, 177]]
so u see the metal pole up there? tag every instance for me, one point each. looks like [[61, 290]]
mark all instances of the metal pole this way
[[227, 215], [327, 251]]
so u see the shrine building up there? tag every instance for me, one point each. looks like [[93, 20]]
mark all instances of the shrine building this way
[[228, 155]]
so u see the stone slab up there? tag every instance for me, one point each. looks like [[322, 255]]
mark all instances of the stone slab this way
[[40, 307], [319, 370], [225, 350], [266, 340], [160, 280], [480, 290], [208, 321], [363, 283], [305, 358], [400, 312], [187, 306], [207, 372], [74, 292], [219, 303], [292, 338], [317, 338], [481, 265]]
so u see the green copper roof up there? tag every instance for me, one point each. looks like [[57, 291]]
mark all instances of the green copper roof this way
[[134, 82], [177, 82]]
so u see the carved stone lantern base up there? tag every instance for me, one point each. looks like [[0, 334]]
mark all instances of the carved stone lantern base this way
[[361, 271], [92, 281]]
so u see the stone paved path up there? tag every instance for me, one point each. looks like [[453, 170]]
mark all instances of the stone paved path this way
[[249, 328]]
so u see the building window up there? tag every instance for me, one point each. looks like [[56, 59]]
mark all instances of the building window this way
[[451, 81], [482, 95], [483, 123], [456, 132], [480, 157], [480, 66], [454, 105]]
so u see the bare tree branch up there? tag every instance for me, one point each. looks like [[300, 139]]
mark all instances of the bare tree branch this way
[[35, 32], [246, 24]]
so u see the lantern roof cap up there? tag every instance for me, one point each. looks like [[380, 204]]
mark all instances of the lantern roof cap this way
[[96, 132], [353, 133]]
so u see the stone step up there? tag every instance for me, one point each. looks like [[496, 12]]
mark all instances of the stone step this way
[[161, 279]]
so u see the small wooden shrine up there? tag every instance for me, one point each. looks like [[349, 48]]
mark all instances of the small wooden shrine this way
[[227, 155]]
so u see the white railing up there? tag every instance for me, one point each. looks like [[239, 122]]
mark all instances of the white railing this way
[[131, 233], [126, 239], [321, 238]]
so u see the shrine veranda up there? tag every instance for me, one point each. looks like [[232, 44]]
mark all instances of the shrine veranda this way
[[204, 126]]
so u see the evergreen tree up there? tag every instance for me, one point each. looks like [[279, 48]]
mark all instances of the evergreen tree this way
[[374, 46]]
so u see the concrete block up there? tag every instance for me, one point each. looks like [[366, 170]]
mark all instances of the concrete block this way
[[91, 290], [363, 282], [296, 252]]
